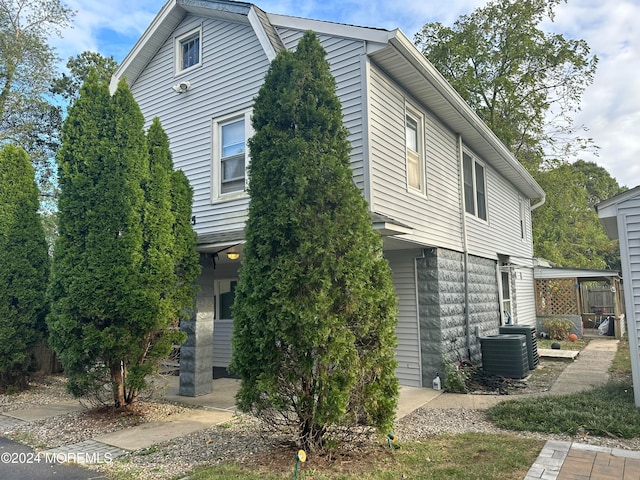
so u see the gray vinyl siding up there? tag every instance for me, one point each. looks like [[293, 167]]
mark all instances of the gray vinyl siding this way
[[408, 350], [232, 71], [500, 234], [629, 233], [344, 56], [222, 330], [435, 217], [223, 327], [524, 297]]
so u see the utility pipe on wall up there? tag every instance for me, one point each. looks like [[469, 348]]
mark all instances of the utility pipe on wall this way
[[465, 249]]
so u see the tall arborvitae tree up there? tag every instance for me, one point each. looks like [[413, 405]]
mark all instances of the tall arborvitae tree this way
[[114, 263], [79, 164], [314, 312], [24, 267]]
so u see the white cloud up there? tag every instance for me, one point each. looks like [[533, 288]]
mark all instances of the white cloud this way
[[611, 105], [108, 27]]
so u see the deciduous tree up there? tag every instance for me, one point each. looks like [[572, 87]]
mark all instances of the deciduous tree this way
[[27, 67], [314, 312], [523, 82], [68, 84], [566, 229]]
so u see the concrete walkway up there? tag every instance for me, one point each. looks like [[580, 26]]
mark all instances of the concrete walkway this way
[[557, 460], [575, 461]]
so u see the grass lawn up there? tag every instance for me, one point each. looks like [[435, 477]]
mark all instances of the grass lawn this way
[[469, 456], [604, 411]]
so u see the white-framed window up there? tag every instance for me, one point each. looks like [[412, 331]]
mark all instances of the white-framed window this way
[[507, 307], [475, 186], [523, 225], [188, 51], [414, 138], [230, 155]]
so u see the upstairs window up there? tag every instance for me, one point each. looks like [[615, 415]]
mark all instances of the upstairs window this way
[[188, 51], [232, 157], [230, 154], [475, 191], [414, 129]]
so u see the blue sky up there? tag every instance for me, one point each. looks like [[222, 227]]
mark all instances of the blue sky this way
[[611, 105]]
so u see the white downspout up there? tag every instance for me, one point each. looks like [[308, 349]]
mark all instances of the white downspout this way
[[465, 248], [539, 204]]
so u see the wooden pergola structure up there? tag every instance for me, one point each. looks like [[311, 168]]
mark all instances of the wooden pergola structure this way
[[561, 291]]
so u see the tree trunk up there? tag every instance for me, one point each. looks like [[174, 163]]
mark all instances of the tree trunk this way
[[117, 383], [312, 436]]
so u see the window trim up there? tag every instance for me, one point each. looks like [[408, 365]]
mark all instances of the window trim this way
[[416, 116], [475, 164], [523, 218], [218, 293], [506, 316], [216, 150], [177, 50]]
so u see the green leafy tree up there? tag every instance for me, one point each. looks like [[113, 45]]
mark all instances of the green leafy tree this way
[[24, 267], [68, 84], [598, 183], [314, 311], [566, 229], [27, 67], [524, 83], [115, 263]]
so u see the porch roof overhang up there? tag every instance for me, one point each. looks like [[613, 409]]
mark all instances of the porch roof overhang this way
[[608, 211], [580, 274], [215, 242], [387, 226]]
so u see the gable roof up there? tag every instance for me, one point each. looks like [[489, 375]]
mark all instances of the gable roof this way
[[170, 16], [608, 210], [391, 50]]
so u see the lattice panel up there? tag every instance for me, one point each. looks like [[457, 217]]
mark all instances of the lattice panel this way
[[556, 297]]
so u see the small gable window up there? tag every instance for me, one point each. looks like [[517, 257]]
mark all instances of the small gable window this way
[[523, 230], [188, 50]]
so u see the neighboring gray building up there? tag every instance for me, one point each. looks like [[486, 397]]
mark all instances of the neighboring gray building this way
[[452, 203], [620, 216]]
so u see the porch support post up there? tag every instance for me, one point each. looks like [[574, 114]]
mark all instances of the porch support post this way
[[196, 354]]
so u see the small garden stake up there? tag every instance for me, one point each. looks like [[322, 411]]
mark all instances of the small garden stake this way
[[390, 439], [301, 456]]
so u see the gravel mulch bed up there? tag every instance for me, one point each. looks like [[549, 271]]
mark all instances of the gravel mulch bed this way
[[239, 440]]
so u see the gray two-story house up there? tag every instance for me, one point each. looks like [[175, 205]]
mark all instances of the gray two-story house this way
[[452, 203]]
